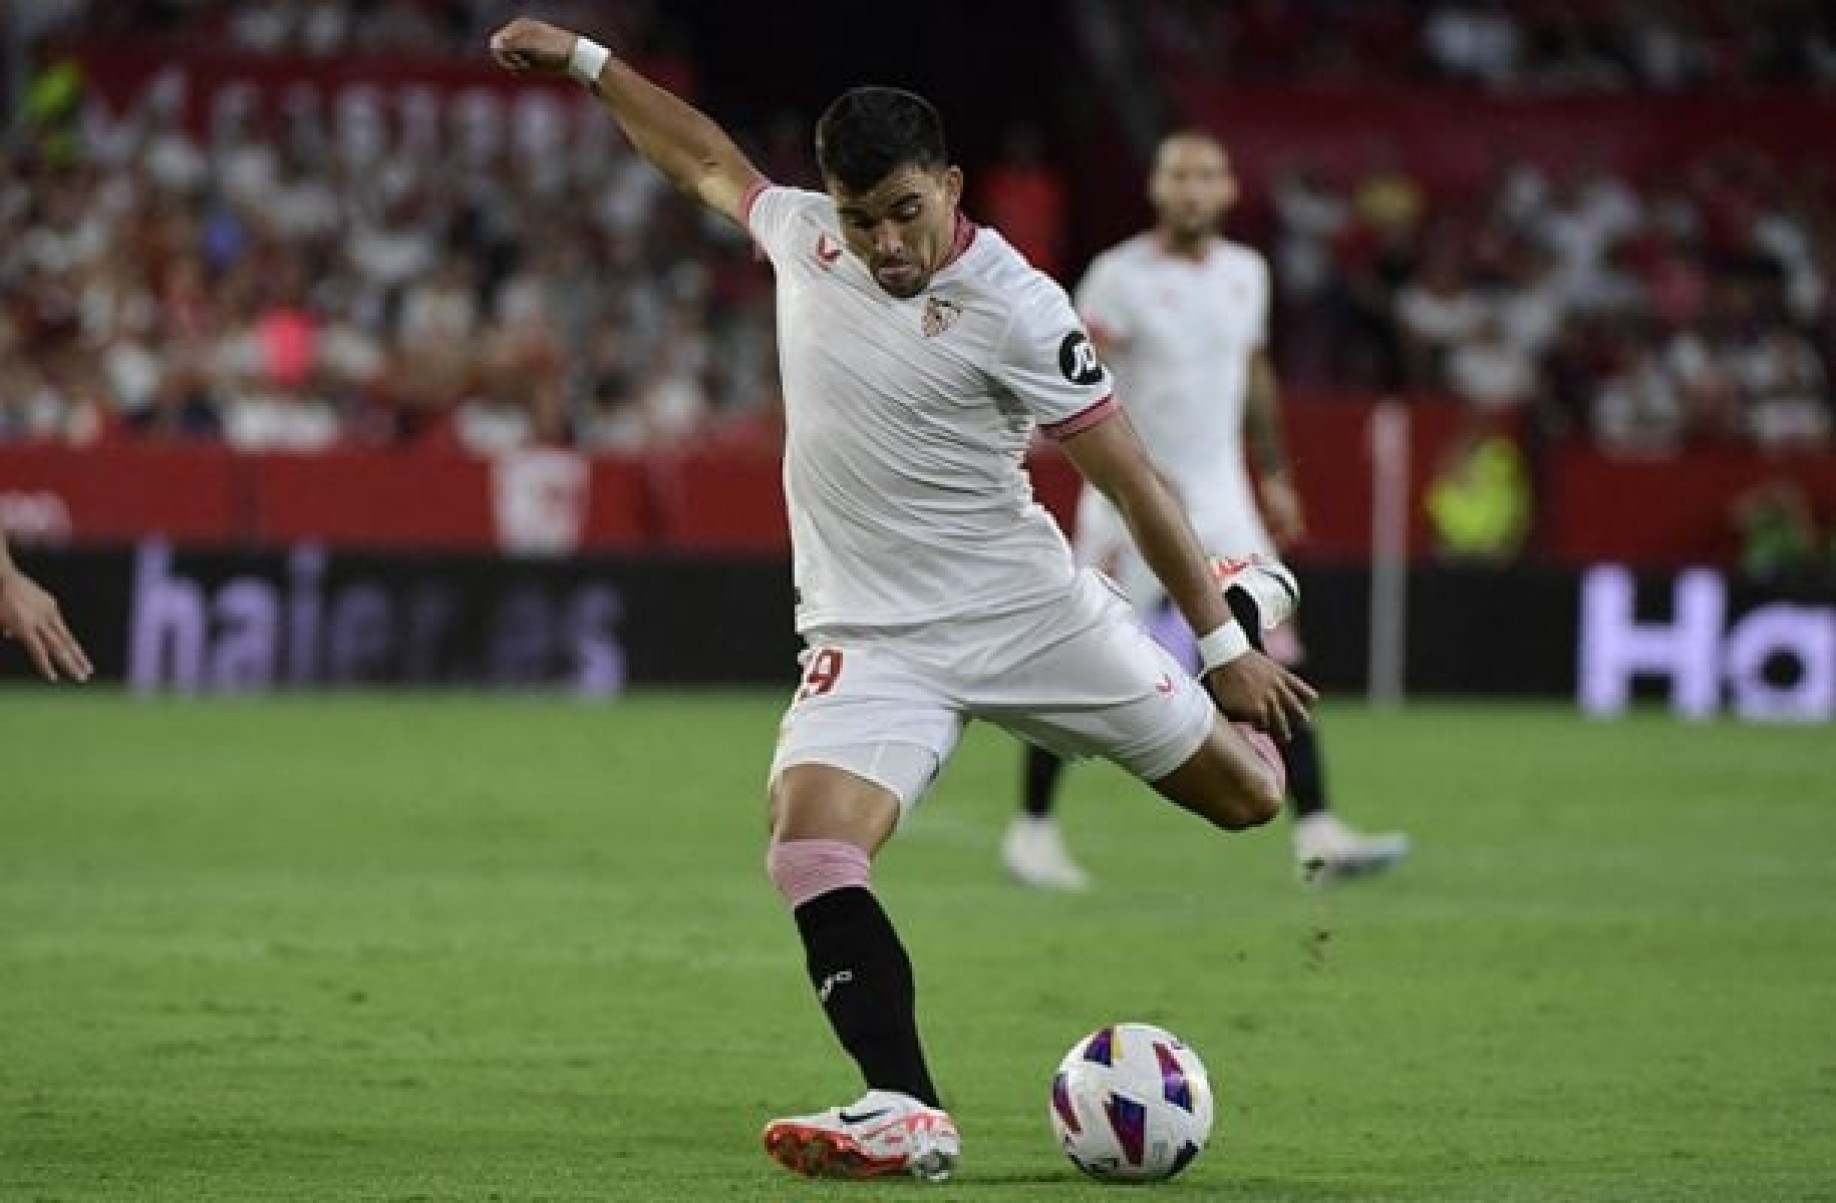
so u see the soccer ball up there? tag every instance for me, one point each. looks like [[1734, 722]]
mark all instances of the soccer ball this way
[[1131, 1103]]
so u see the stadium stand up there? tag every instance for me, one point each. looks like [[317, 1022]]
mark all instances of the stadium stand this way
[[234, 228]]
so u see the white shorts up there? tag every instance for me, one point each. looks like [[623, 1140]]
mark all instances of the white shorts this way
[[1078, 676]]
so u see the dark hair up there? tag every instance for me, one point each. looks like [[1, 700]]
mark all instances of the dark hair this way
[[869, 133]]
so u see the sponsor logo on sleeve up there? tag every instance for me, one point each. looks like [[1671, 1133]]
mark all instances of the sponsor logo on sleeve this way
[[1077, 359]]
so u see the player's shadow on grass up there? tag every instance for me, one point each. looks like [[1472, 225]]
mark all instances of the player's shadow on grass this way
[[1263, 1190]]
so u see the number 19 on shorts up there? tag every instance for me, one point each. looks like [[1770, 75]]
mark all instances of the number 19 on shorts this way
[[821, 674]]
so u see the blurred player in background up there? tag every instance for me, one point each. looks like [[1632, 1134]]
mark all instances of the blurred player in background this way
[[30, 615], [1181, 314], [918, 352]]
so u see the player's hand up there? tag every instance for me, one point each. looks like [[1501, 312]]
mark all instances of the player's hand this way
[[529, 47], [30, 615], [1281, 505], [1254, 689]]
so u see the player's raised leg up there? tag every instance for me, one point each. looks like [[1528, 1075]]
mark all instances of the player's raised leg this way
[[1034, 848], [1096, 684], [827, 823], [1235, 778]]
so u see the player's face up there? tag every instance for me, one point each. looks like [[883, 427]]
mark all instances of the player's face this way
[[902, 227], [1192, 186]]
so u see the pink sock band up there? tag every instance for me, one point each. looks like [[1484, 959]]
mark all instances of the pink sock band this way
[[1265, 747], [806, 869]]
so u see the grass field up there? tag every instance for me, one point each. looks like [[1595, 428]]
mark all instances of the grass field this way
[[426, 948]]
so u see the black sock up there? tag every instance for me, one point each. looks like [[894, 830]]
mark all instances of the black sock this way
[[863, 979], [1306, 778], [1040, 787]]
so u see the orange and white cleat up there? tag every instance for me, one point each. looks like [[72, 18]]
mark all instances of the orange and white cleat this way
[[883, 1133]]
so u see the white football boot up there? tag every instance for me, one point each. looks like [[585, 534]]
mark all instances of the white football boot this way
[[884, 1132], [1035, 852], [1260, 584], [1327, 850]]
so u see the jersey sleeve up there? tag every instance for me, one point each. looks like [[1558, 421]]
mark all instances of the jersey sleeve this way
[[778, 217], [1259, 319], [1101, 302], [1049, 365]]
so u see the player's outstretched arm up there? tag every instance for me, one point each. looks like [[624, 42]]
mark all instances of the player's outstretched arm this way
[[30, 615], [1249, 687], [694, 153], [1281, 503]]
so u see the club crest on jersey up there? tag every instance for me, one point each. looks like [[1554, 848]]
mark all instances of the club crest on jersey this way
[[826, 252], [939, 315]]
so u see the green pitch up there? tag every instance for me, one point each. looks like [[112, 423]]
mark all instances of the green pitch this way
[[469, 949]]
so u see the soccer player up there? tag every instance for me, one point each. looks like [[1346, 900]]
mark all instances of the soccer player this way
[[1180, 313], [30, 615], [918, 352]]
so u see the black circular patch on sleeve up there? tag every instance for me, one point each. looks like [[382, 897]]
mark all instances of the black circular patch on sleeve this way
[[1077, 359]]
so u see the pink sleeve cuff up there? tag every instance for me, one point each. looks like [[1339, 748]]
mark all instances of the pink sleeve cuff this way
[[750, 199], [1082, 420]]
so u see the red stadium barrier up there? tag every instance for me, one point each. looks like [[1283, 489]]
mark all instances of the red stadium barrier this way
[[1592, 507], [1329, 446], [530, 501], [362, 499], [112, 492], [722, 501], [622, 513], [1664, 512]]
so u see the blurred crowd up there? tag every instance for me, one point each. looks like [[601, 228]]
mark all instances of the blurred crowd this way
[[371, 268], [326, 28], [1644, 316], [1519, 46], [1515, 45], [500, 271], [297, 291]]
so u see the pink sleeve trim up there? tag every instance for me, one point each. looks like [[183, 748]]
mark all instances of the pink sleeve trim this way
[[1083, 419], [750, 199]]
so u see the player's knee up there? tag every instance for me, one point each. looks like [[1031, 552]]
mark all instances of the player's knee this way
[[1250, 789], [1246, 804], [1260, 802], [818, 802], [1265, 778]]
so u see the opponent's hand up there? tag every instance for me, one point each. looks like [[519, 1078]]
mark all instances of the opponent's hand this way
[[1281, 505], [1254, 689], [529, 47], [30, 615]]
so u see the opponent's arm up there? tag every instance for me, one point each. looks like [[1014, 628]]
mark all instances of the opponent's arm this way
[[1281, 503], [694, 153], [1247, 685], [30, 615]]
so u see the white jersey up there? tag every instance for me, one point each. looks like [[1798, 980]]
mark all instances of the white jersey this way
[[906, 422], [1179, 333]]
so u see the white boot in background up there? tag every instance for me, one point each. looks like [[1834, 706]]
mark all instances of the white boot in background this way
[[1035, 852], [1328, 850]]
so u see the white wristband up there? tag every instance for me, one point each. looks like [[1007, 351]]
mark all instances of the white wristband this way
[[587, 61], [1222, 646]]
